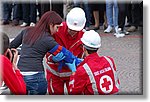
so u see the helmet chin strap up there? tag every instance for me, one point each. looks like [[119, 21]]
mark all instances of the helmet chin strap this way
[[85, 53], [89, 48]]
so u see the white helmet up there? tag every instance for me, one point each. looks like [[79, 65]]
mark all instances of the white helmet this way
[[76, 19], [91, 40]]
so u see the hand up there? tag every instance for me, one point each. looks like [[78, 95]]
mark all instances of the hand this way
[[78, 61], [15, 58], [8, 54], [15, 54], [59, 57], [72, 66]]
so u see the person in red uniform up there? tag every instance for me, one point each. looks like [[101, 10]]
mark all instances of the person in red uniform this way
[[96, 74], [68, 35], [9, 73]]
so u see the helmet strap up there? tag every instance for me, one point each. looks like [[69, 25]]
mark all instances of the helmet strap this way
[[90, 48]]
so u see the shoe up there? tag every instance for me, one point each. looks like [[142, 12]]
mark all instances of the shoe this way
[[95, 28], [131, 29], [119, 35], [15, 22], [104, 26], [108, 30], [32, 24], [118, 30], [125, 32], [5, 22], [24, 24]]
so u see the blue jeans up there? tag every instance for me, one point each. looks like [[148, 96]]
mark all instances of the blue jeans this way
[[36, 84], [112, 17]]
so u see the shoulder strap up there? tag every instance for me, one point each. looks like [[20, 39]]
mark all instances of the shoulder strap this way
[[91, 77]]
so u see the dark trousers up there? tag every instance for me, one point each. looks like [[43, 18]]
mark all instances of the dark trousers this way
[[137, 14], [29, 12], [44, 8], [6, 11], [122, 15], [17, 11], [58, 7]]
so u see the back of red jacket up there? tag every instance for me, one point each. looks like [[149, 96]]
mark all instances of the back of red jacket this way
[[12, 78], [95, 75]]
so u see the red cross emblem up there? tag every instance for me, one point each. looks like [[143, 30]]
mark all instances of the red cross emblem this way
[[106, 84]]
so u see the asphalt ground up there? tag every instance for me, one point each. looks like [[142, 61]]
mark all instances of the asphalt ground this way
[[127, 53]]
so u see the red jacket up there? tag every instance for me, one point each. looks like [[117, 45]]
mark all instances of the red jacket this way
[[95, 75], [12, 78], [73, 44]]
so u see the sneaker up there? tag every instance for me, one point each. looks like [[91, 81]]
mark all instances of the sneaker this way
[[24, 24], [131, 29], [32, 24], [119, 35], [108, 30], [125, 32]]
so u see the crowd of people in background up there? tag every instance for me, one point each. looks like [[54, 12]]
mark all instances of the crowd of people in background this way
[[109, 14]]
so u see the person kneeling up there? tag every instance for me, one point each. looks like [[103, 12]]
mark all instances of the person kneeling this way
[[96, 74]]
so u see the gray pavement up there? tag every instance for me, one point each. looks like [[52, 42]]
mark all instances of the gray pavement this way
[[127, 53]]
